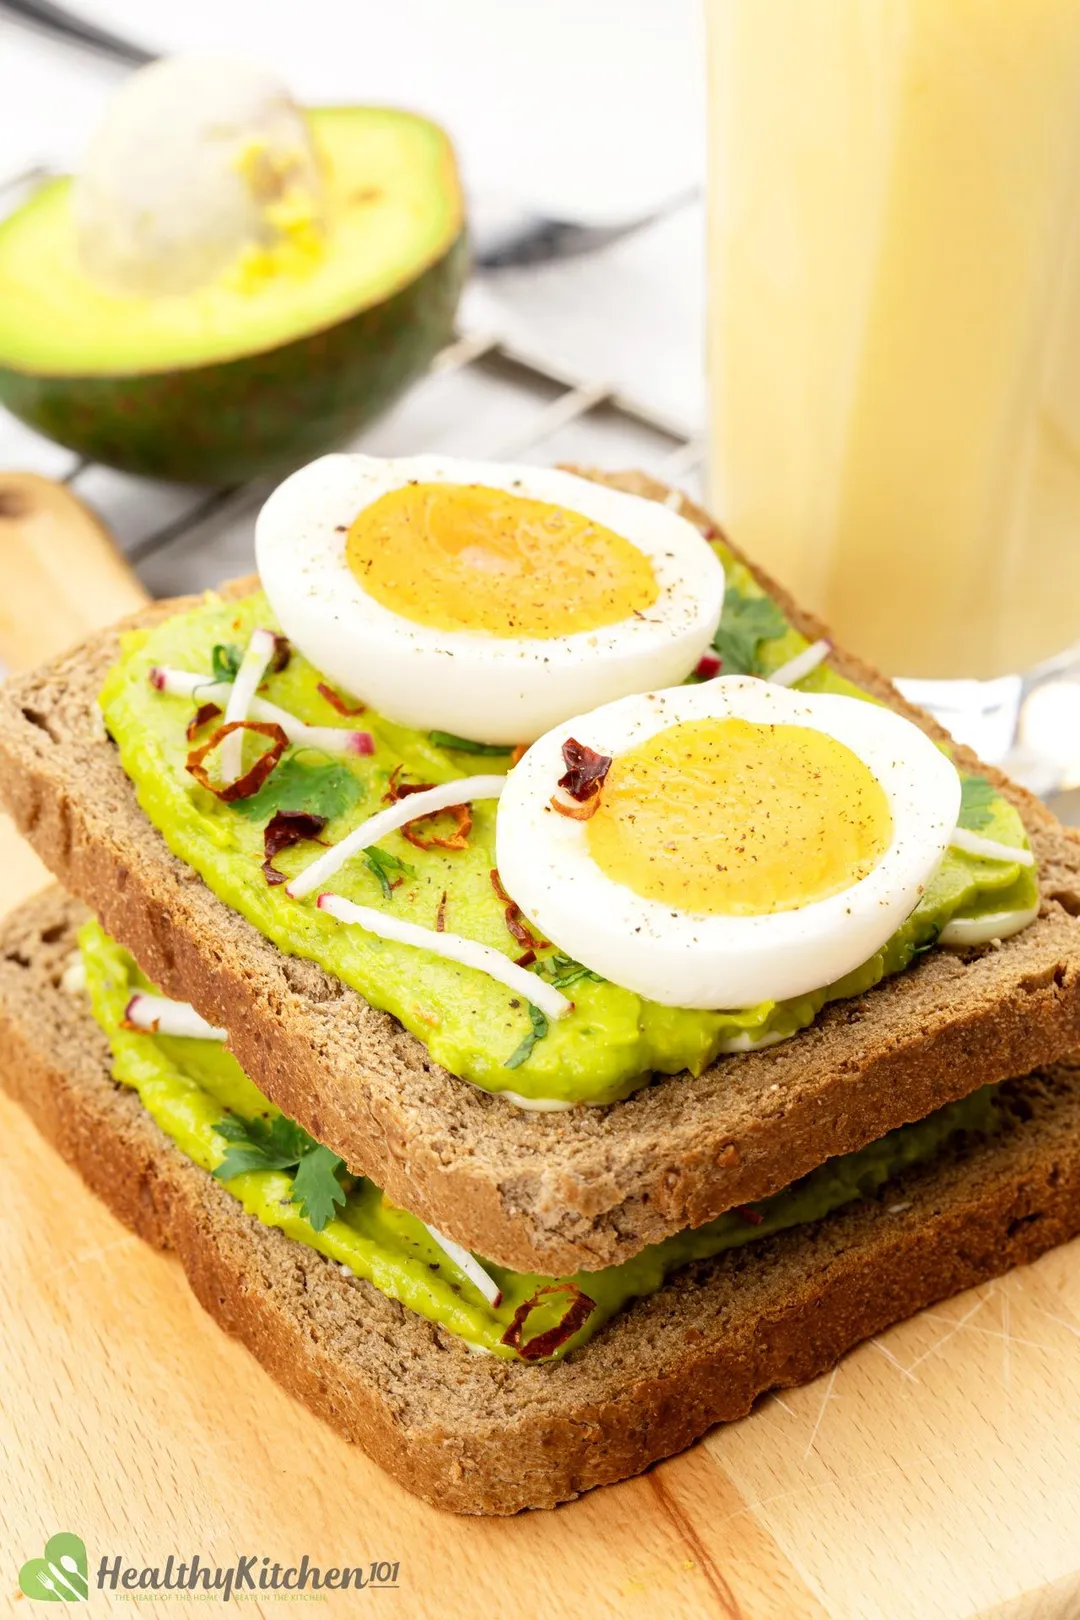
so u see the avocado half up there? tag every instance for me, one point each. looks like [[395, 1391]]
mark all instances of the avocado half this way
[[232, 382]]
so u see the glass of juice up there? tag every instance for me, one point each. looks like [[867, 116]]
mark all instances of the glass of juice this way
[[894, 347]]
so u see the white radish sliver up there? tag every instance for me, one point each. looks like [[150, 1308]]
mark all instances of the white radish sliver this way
[[988, 849], [801, 665], [329, 739], [981, 930], [467, 952], [463, 791], [253, 666], [470, 1267], [160, 1016]]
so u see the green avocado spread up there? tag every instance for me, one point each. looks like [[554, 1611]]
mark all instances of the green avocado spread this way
[[614, 1039], [198, 1095]]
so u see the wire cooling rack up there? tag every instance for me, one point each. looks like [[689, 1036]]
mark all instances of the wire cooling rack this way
[[483, 397]]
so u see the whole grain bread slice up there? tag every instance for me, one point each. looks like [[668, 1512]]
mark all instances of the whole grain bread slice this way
[[479, 1435], [542, 1192]]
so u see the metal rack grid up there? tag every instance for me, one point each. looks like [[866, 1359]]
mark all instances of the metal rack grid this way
[[555, 403]]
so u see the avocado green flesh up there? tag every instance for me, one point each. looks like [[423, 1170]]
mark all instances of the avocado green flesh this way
[[232, 382], [470, 1023], [188, 1086]]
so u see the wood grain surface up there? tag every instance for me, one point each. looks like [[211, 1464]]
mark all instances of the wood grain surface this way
[[934, 1475]]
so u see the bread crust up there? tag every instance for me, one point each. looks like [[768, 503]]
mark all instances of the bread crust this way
[[552, 1193], [477, 1435]]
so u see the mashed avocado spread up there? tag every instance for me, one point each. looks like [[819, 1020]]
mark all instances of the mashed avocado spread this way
[[195, 1090], [474, 1026]]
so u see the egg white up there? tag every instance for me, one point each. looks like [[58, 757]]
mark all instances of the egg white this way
[[685, 959], [487, 688]]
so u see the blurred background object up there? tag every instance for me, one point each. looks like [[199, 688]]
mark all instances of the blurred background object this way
[[588, 117]]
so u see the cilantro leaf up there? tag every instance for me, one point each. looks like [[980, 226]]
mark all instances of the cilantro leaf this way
[[225, 661], [304, 781], [977, 797], [746, 621], [316, 1187], [462, 745], [537, 1032], [564, 971], [281, 1144], [380, 863]]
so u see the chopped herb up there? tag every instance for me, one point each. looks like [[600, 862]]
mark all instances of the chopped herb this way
[[537, 1032], [281, 1144], [225, 661], [977, 797], [380, 863], [462, 745], [565, 972], [303, 781], [746, 621]]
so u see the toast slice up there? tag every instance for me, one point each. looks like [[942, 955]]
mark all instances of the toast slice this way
[[480, 1435], [552, 1193]]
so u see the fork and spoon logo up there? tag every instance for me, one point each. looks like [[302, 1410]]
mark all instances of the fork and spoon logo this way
[[61, 1575]]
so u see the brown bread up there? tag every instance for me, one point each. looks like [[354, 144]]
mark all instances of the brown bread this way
[[544, 1192], [478, 1435]]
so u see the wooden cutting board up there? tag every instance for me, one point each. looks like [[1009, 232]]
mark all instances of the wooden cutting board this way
[[935, 1473]]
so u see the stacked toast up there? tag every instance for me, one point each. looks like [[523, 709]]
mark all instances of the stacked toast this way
[[537, 1297]]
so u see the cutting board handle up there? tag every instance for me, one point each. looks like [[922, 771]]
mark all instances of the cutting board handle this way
[[61, 574]]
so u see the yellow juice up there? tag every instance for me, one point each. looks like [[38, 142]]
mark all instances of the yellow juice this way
[[894, 346]]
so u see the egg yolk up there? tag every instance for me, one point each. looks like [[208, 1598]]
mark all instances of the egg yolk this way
[[725, 817], [465, 557]]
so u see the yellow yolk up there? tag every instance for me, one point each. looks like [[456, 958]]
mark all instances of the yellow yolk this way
[[725, 817], [465, 557]]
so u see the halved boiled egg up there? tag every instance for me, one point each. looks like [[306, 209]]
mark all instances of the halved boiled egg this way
[[484, 600], [746, 843]]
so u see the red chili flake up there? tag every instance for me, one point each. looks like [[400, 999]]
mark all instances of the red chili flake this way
[[576, 812], [252, 779], [440, 915], [515, 922], [281, 655], [754, 1216], [708, 665], [201, 717], [337, 702], [585, 770], [140, 1029], [284, 829], [519, 754], [396, 789], [459, 839], [575, 1316], [526, 959]]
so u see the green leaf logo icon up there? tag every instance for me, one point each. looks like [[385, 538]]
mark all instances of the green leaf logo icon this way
[[59, 1577]]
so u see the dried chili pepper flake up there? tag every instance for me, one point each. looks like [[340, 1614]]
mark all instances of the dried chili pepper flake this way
[[526, 959], [754, 1216], [281, 655], [284, 829], [338, 703], [251, 780], [576, 812], [575, 1316], [585, 770], [202, 716], [459, 839], [397, 789], [519, 754], [515, 922]]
